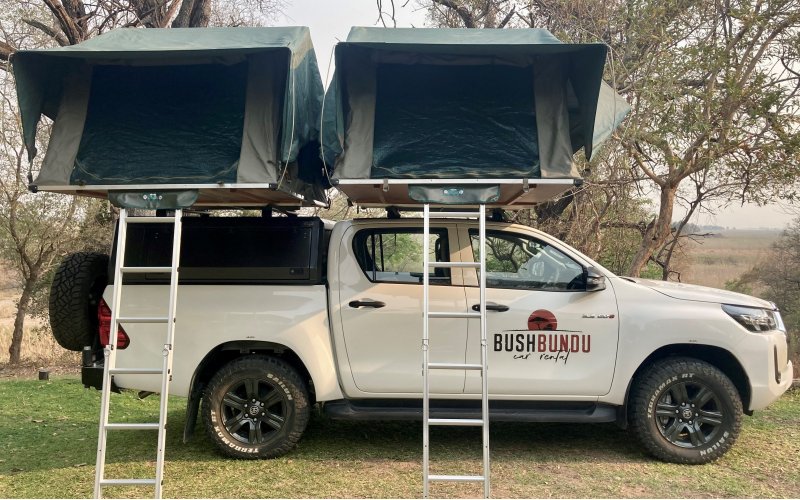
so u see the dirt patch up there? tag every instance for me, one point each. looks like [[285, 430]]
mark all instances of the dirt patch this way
[[31, 370]]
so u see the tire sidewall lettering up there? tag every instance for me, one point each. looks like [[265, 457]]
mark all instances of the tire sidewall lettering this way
[[654, 383], [282, 385], [224, 435], [282, 377]]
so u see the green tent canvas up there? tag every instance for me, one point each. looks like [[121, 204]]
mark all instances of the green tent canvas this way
[[410, 105], [231, 112]]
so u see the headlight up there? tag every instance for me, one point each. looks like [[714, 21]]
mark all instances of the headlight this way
[[755, 319], [778, 318]]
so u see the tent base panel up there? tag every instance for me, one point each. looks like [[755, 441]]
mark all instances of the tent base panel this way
[[209, 195], [514, 193]]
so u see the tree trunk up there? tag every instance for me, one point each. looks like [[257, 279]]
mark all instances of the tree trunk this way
[[15, 350], [193, 14], [658, 232]]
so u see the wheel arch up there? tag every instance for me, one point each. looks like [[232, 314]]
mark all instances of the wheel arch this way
[[713, 355], [225, 353]]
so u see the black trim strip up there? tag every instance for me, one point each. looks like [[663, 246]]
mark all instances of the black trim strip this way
[[499, 411]]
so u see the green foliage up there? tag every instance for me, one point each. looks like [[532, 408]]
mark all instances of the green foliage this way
[[740, 286], [651, 271], [778, 280], [402, 252], [715, 94]]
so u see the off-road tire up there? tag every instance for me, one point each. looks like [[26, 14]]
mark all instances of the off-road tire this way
[[684, 410], [74, 295], [237, 421]]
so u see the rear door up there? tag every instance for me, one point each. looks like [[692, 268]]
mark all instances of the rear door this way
[[547, 335], [380, 303]]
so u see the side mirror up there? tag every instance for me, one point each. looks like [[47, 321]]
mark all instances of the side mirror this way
[[594, 280]]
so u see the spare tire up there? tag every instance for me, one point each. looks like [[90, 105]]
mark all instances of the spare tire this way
[[76, 291]]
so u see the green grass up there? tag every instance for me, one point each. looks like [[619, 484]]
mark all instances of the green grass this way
[[48, 433]]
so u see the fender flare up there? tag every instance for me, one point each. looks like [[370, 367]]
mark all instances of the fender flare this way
[[220, 355]]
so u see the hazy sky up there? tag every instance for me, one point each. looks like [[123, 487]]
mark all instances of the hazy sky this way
[[330, 21]]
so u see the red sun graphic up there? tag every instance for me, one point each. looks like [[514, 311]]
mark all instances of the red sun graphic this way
[[542, 319]]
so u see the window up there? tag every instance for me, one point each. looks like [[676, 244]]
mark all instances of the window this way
[[231, 250], [519, 261], [395, 255]]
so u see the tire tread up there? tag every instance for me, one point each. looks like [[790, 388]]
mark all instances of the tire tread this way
[[69, 317], [302, 411], [647, 383]]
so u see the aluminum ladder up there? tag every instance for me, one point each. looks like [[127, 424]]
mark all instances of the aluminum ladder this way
[[110, 369], [427, 365]]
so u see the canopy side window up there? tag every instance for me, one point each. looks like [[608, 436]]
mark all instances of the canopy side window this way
[[395, 255]]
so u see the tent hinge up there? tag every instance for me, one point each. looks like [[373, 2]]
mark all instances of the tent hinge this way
[[386, 185], [525, 186]]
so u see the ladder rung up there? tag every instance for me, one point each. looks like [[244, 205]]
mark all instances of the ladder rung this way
[[135, 371], [142, 320], [444, 215], [454, 366], [132, 427], [444, 265], [129, 482], [442, 314], [150, 219], [471, 422], [142, 270], [437, 477]]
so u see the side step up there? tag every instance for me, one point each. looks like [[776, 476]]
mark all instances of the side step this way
[[499, 411]]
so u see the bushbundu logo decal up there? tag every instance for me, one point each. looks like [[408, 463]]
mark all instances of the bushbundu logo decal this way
[[550, 343]]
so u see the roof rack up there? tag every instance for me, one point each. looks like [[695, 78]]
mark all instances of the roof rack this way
[[510, 194]]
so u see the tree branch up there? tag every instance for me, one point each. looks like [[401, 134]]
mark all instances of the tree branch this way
[[68, 25], [464, 13], [508, 17], [5, 51], [48, 30]]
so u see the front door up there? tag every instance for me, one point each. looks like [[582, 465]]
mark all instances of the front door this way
[[380, 294], [547, 335]]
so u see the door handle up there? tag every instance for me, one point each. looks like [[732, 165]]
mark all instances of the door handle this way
[[491, 306], [367, 303]]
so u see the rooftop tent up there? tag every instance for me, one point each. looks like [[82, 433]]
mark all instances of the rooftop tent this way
[[474, 107], [231, 113]]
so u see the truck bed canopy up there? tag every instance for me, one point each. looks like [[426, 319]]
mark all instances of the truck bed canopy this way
[[487, 107], [232, 113]]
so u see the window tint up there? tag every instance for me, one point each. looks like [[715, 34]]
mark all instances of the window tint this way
[[395, 255], [231, 249], [518, 261]]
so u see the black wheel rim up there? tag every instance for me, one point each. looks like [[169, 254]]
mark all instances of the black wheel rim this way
[[689, 414], [254, 410]]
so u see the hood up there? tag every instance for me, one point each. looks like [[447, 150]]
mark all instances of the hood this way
[[683, 291]]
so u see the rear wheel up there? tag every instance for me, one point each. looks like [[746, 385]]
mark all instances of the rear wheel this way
[[685, 411], [256, 407]]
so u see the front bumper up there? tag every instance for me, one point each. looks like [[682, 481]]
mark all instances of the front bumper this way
[[766, 360], [765, 394]]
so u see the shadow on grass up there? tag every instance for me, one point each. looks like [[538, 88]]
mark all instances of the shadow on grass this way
[[327, 439], [56, 426]]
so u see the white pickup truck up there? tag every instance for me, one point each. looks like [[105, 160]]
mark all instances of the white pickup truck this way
[[277, 314]]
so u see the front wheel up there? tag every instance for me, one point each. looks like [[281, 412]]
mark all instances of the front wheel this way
[[685, 410], [256, 407]]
